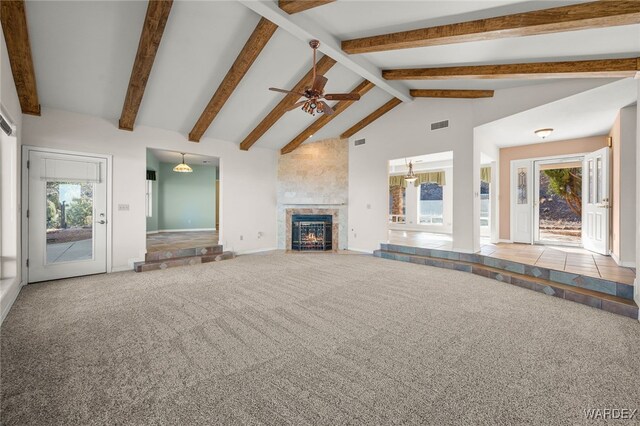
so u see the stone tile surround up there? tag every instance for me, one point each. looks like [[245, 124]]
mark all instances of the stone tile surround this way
[[314, 177]]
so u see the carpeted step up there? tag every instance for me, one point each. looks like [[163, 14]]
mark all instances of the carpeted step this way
[[185, 252], [153, 265], [607, 302]]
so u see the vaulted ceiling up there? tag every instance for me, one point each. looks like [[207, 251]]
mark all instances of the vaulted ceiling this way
[[84, 51]]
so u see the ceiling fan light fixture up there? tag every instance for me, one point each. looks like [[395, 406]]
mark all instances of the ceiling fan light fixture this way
[[543, 133], [182, 167]]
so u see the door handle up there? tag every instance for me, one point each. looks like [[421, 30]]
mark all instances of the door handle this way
[[101, 222]]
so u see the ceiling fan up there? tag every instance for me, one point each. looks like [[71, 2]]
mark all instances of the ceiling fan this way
[[314, 96]]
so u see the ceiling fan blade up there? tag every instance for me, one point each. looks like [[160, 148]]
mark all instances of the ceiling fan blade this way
[[319, 83], [342, 97], [326, 108], [285, 91], [298, 104]]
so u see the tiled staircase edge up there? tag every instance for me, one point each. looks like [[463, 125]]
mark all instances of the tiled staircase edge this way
[[600, 285], [182, 257], [593, 298]]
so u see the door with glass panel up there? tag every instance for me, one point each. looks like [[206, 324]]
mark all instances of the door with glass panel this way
[[521, 202], [595, 201], [67, 215]]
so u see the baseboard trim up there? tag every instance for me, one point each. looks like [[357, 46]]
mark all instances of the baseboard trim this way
[[466, 251], [181, 230], [621, 263], [122, 269], [11, 296], [501, 240], [361, 250], [253, 251]]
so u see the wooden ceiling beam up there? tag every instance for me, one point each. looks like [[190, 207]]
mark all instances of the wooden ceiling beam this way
[[458, 94], [152, 30], [324, 64], [371, 118], [324, 119], [16, 35], [329, 45], [296, 6], [610, 68], [249, 53], [598, 14]]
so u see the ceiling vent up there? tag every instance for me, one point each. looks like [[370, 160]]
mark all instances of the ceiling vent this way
[[359, 142], [6, 127], [440, 125]]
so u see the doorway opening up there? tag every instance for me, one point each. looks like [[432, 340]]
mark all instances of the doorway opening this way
[[421, 209], [182, 201], [559, 202]]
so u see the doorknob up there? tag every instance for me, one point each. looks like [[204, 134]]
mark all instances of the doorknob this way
[[102, 222]]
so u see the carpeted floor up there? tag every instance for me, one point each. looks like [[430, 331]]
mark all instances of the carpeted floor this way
[[309, 339]]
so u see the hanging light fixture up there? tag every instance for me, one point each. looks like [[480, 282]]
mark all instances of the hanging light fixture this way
[[410, 177], [182, 167], [543, 133]]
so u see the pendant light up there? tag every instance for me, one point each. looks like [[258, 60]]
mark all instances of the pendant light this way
[[182, 167], [410, 177]]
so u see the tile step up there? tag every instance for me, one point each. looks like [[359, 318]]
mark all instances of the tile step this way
[[600, 285], [595, 299], [153, 265], [185, 252]]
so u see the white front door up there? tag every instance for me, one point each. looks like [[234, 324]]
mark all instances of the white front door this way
[[521, 201], [67, 215], [595, 201]]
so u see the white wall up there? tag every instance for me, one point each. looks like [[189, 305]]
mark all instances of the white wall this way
[[627, 198], [247, 178], [637, 282], [10, 217], [405, 132]]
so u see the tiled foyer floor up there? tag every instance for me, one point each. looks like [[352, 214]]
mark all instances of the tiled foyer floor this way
[[181, 240], [570, 259]]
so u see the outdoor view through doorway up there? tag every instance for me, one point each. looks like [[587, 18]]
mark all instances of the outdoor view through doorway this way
[[560, 203]]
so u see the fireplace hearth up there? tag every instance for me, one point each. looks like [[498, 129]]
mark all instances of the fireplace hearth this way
[[311, 232]]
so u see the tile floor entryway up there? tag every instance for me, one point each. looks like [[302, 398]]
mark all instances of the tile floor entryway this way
[[569, 259], [180, 240]]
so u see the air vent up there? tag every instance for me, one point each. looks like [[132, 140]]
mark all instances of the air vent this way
[[359, 142], [5, 126], [440, 125]]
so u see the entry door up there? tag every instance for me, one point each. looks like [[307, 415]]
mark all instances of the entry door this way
[[521, 202], [67, 215], [595, 202]]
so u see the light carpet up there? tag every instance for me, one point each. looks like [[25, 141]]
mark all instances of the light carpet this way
[[309, 339]]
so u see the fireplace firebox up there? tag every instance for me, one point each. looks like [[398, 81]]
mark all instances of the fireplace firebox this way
[[311, 232]]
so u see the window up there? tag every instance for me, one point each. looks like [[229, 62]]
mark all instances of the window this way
[[149, 198], [431, 204], [484, 203]]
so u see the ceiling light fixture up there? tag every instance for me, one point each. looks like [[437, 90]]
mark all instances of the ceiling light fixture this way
[[543, 133], [410, 177], [182, 167]]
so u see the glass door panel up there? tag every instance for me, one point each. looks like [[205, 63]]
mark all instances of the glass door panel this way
[[69, 221]]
